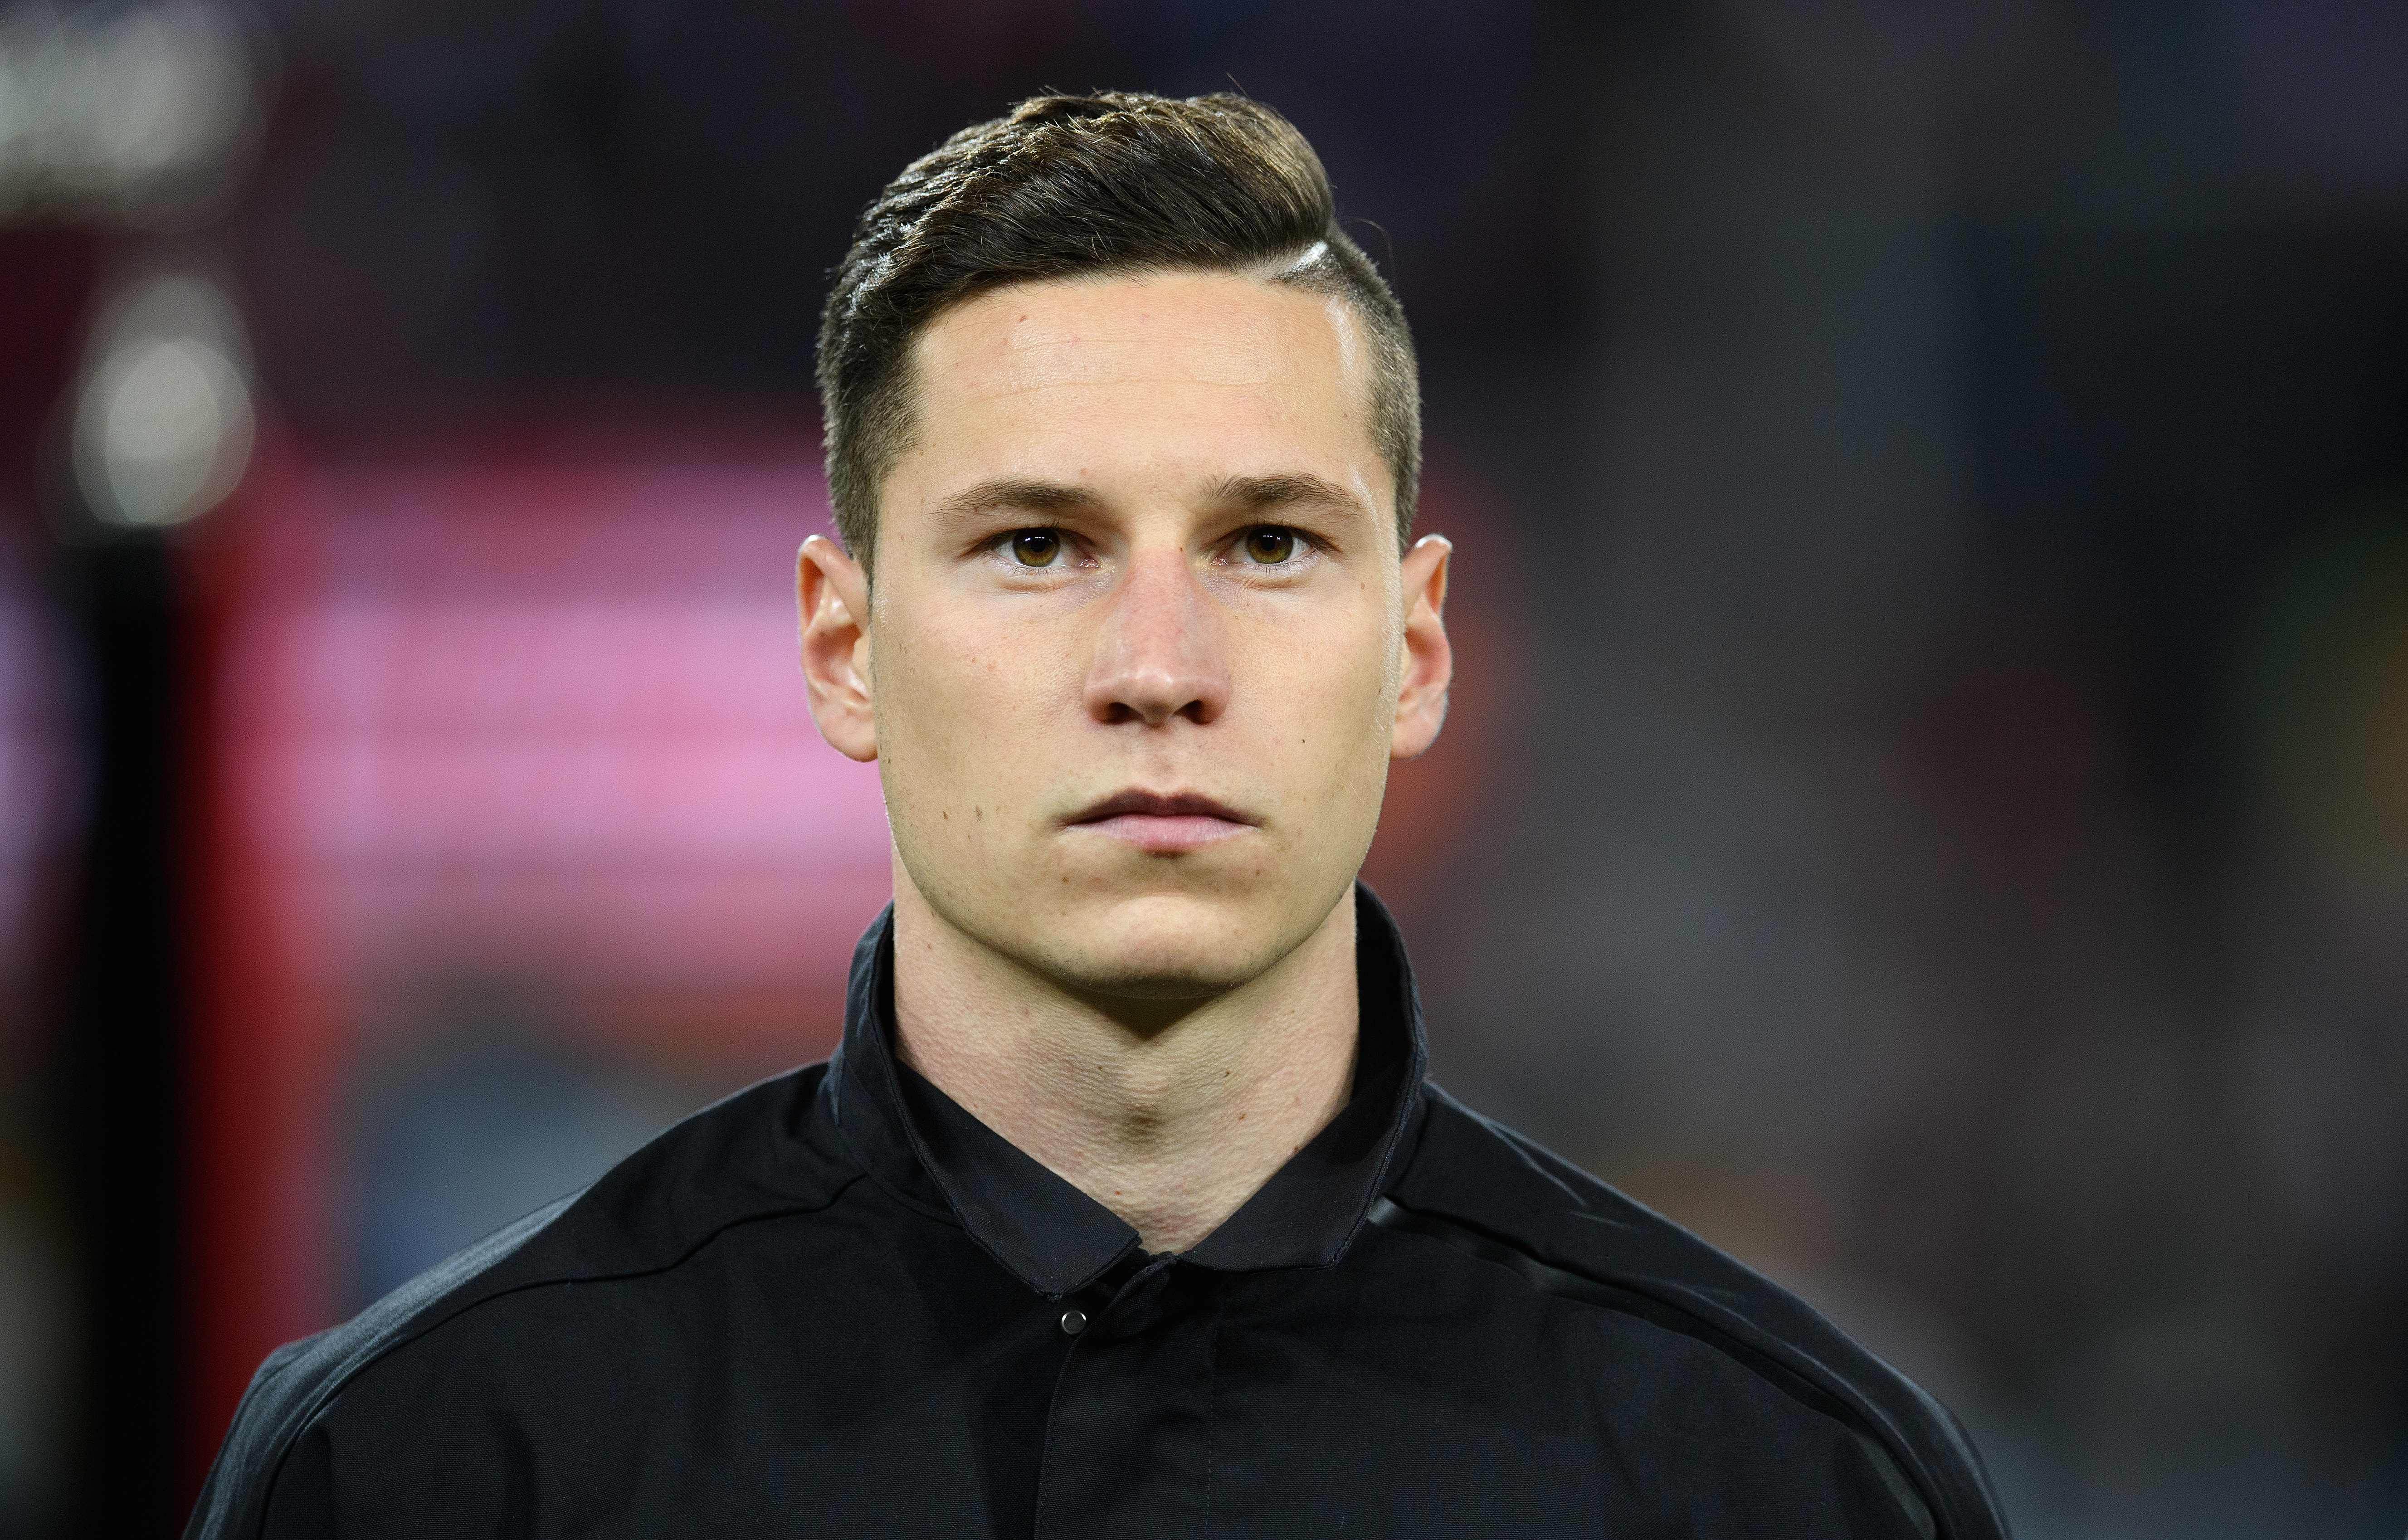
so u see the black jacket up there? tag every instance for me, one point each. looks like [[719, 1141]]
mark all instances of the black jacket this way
[[836, 1303]]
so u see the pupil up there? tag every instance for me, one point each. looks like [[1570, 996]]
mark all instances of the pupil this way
[[1035, 547], [1271, 545]]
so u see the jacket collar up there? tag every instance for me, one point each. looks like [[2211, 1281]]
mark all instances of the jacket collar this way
[[922, 1145]]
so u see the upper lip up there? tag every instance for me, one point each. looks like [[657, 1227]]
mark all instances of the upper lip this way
[[1157, 804]]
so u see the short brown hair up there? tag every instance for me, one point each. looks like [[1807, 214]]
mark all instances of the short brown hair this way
[[1071, 186]]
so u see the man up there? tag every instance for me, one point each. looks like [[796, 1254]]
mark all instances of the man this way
[[1124, 1208]]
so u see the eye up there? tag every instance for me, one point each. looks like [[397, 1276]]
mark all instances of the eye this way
[[1037, 547], [1268, 544]]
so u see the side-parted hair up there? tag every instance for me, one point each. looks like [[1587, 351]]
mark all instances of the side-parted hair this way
[[1064, 187]]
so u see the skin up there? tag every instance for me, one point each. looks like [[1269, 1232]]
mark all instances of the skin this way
[[1153, 996]]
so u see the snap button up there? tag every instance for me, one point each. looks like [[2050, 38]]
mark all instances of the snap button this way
[[1074, 1320]]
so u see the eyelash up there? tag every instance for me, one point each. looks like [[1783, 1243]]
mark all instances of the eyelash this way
[[1306, 545], [1001, 545]]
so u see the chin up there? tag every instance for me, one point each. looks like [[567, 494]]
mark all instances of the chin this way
[[1139, 936], [1164, 947]]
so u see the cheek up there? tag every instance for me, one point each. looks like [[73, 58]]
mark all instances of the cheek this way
[[1333, 693], [966, 701]]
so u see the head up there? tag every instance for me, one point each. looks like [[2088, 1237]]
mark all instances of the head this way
[[1123, 441], [1067, 187]]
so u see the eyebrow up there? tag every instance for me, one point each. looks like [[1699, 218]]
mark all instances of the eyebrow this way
[[1294, 489], [1013, 493], [1255, 494]]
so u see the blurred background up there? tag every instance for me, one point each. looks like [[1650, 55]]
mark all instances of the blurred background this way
[[1928, 799]]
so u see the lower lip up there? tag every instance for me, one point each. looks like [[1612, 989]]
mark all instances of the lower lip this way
[[1165, 835]]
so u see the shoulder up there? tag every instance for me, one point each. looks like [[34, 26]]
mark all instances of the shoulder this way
[[1485, 1191], [744, 1158]]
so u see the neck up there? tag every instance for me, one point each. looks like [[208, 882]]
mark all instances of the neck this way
[[1169, 1114]]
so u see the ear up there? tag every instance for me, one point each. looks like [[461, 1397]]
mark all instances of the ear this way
[[1429, 662], [832, 593]]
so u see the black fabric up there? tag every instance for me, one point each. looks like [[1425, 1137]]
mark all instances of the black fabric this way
[[837, 1303]]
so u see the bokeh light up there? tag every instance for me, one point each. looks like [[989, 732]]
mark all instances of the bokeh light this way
[[1926, 801]]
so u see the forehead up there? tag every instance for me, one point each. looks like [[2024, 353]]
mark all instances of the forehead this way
[[1202, 367]]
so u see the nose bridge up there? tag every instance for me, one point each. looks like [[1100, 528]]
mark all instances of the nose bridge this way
[[1159, 656]]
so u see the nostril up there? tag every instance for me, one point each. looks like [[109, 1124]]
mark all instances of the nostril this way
[[1158, 658]]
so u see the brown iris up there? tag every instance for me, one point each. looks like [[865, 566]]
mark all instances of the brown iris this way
[[1037, 547], [1269, 544]]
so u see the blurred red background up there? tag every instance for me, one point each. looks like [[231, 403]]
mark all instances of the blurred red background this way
[[1925, 804]]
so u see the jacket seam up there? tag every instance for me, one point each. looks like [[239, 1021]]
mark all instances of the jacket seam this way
[[1866, 1425], [322, 1400]]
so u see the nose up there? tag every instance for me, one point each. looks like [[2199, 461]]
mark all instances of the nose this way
[[1160, 655]]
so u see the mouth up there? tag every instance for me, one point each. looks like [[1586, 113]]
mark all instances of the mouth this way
[[1162, 822]]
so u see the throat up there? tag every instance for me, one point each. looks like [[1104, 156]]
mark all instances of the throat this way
[[1174, 1180], [1170, 1127]]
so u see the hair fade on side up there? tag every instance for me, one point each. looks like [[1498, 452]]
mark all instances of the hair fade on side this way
[[1071, 186]]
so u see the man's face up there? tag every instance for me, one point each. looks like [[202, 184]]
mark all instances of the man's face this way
[[1139, 629]]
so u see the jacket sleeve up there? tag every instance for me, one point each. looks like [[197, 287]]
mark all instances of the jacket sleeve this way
[[265, 1467], [233, 1501]]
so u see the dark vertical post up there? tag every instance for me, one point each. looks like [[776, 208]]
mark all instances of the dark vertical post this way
[[121, 1103]]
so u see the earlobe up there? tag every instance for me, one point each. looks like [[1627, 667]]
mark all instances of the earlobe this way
[[1428, 660], [832, 596]]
